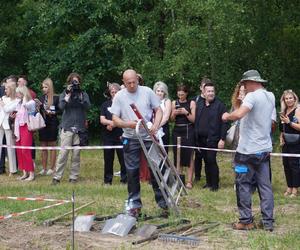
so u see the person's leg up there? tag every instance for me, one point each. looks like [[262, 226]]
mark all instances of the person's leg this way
[[52, 155], [66, 139], [120, 154], [2, 152], [198, 164], [132, 151], [294, 165], [11, 152], [288, 175], [109, 155], [44, 157], [75, 159], [27, 156], [243, 193], [264, 185], [211, 158]]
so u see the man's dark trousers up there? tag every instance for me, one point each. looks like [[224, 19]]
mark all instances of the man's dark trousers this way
[[132, 152], [210, 160], [244, 182]]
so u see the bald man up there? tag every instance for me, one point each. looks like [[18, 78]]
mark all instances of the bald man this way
[[123, 116]]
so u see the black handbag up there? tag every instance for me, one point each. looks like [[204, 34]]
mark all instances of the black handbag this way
[[83, 138], [291, 139]]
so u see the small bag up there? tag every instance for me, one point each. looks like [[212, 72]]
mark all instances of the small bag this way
[[231, 134], [35, 122], [83, 138], [291, 139]]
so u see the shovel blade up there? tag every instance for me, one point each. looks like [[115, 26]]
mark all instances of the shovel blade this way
[[146, 231]]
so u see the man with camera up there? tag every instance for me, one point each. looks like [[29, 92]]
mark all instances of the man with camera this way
[[74, 103]]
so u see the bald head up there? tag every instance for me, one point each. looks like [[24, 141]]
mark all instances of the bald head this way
[[130, 80]]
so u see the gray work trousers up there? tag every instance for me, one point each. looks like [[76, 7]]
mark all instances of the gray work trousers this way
[[244, 183], [68, 138]]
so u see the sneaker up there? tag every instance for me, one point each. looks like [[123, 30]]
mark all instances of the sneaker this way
[[43, 172], [242, 226], [117, 173], [50, 172], [55, 182], [72, 181], [30, 178]]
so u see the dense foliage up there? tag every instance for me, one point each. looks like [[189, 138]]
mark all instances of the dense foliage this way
[[170, 40]]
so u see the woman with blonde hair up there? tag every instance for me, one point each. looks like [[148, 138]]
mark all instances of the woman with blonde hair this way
[[161, 90], [290, 140], [24, 137], [8, 104], [48, 135]]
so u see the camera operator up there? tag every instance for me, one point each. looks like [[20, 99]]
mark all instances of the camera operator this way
[[74, 103]]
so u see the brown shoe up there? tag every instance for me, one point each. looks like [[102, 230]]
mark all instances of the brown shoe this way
[[241, 226]]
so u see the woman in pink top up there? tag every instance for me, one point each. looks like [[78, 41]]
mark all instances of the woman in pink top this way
[[24, 137]]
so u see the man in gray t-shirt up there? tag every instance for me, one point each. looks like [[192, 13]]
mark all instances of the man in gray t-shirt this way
[[253, 151], [123, 116]]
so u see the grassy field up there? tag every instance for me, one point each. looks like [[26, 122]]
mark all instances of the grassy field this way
[[200, 204]]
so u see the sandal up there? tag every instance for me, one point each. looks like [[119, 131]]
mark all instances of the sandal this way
[[293, 195], [287, 193], [189, 185]]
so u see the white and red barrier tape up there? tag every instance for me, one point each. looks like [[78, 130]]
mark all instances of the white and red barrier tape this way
[[116, 147], [8, 216], [31, 199]]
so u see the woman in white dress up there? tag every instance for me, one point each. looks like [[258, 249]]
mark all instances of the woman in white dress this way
[[8, 104]]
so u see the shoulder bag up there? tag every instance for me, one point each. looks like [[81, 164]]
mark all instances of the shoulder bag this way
[[36, 122]]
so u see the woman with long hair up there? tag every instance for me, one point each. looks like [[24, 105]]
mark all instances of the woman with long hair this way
[[290, 140], [236, 101], [24, 137], [7, 105], [161, 90], [183, 113], [48, 135]]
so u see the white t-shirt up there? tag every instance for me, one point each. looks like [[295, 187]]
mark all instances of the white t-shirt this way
[[144, 99], [255, 127]]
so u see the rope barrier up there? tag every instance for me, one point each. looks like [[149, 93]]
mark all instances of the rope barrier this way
[[118, 147]]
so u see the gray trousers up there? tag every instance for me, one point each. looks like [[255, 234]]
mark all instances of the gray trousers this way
[[132, 153], [244, 187], [68, 138]]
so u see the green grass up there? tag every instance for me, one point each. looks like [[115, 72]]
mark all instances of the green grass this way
[[199, 205]]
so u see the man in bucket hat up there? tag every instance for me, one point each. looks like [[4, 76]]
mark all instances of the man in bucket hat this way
[[253, 151]]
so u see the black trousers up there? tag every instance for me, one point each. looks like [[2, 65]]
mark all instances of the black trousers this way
[[198, 163], [210, 160], [109, 156], [2, 159], [291, 166]]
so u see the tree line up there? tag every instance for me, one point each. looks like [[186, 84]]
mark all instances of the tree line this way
[[170, 40]]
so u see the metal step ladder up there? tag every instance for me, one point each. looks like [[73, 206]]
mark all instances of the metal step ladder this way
[[163, 169]]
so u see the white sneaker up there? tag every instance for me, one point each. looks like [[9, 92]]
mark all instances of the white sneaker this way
[[43, 172], [117, 173], [50, 172]]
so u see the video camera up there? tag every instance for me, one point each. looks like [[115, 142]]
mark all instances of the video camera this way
[[74, 89]]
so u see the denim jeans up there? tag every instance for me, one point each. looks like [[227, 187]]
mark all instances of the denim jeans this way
[[132, 152]]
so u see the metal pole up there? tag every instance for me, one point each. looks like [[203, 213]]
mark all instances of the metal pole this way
[[73, 221]]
